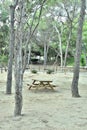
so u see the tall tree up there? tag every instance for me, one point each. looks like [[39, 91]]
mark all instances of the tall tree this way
[[18, 59], [11, 48], [19, 42], [74, 87]]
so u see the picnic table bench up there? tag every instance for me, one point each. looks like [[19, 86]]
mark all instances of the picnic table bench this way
[[38, 83]]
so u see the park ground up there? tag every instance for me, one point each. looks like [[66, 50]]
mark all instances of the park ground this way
[[45, 109]]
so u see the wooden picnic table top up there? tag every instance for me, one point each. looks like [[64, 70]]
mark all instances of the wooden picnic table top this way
[[38, 82], [42, 80]]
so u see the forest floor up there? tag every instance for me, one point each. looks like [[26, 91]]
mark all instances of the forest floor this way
[[45, 109]]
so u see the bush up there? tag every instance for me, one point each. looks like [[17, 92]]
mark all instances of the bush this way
[[49, 71], [34, 71], [3, 60], [83, 61]]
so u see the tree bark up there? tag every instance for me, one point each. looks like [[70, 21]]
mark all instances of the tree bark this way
[[74, 87], [18, 62], [19, 66], [29, 54], [67, 46], [45, 54], [60, 44], [18, 80], [11, 48], [11, 51]]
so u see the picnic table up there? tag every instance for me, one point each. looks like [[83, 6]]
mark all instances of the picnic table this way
[[38, 83]]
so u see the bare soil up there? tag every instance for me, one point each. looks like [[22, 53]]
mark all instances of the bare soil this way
[[45, 109]]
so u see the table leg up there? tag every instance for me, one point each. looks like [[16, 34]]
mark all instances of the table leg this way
[[30, 87], [33, 83], [49, 85]]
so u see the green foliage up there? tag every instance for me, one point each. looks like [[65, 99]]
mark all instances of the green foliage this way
[[4, 30], [34, 71], [4, 27], [49, 71], [83, 62], [3, 60], [46, 29], [33, 13], [43, 24], [4, 16], [70, 61], [52, 2], [4, 9]]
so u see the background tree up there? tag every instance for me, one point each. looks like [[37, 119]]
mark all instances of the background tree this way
[[18, 58], [74, 87], [11, 47], [21, 12]]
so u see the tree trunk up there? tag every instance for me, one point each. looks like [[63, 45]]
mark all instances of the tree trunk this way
[[11, 48], [11, 51], [19, 66], [74, 87], [86, 61], [45, 55], [29, 54], [18, 80], [18, 63], [60, 45], [67, 46]]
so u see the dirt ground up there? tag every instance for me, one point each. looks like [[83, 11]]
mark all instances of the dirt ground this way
[[45, 109]]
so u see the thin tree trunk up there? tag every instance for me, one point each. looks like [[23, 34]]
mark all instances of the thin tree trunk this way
[[60, 46], [11, 48], [31, 31], [56, 59], [61, 53], [46, 47], [74, 87], [67, 46], [11, 51], [18, 81], [45, 54], [29, 54], [18, 64]]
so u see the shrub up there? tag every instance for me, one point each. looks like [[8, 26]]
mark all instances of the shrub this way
[[34, 71], [49, 71], [3, 60], [83, 61]]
